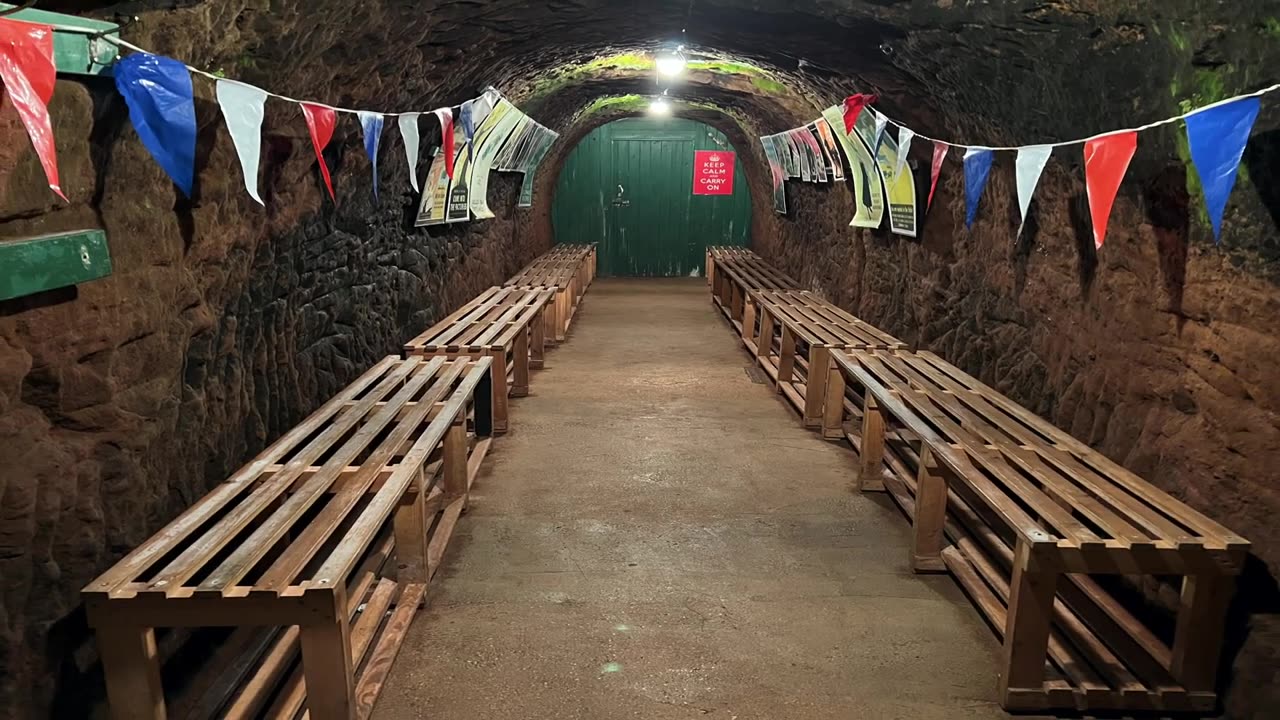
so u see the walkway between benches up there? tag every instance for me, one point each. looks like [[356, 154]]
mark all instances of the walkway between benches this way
[[657, 537]]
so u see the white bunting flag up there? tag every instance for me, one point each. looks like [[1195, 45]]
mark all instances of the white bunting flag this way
[[905, 136], [242, 106], [409, 131], [1030, 164], [881, 123]]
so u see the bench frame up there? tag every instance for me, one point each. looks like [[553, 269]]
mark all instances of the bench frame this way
[[507, 324], [567, 270], [1208, 562], [789, 332], [243, 555], [733, 272]]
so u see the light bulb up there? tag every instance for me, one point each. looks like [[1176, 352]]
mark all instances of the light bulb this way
[[670, 65]]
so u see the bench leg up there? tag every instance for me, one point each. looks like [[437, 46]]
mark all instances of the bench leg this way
[[454, 478], [786, 359], [131, 666], [872, 455], [931, 516], [538, 340], [520, 363], [410, 525], [500, 391], [833, 404], [1197, 640], [327, 669], [1026, 629], [564, 305], [815, 386], [749, 324], [764, 342]]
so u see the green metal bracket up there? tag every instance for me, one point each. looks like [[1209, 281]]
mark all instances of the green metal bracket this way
[[79, 47], [52, 261]]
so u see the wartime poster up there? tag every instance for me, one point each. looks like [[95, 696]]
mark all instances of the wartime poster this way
[[473, 115], [544, 143], [901, 187], [489, 139], [868, 186], [431, 211], [817, 163], [828, 141], [775, 169]]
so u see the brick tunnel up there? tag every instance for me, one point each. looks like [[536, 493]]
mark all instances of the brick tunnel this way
[[588, 365]]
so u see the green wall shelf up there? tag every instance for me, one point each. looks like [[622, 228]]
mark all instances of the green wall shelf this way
[[33, 265], [76, 49]]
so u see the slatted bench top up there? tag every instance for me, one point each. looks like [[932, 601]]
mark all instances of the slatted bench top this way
[[301, 515], [818, 322], [1051, 489], [750, 271], [556, 268], [491, 321]]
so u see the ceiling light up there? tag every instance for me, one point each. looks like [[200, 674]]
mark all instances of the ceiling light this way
[[671, 64], [659, 106]]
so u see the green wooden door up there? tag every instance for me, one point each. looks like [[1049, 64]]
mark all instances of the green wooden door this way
[[629, 187]]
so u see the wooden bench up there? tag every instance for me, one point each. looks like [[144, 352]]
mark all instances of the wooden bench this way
[[290, 539], [568, 270], [734, 272], [791, 331], [1028, 496], [505, 323]]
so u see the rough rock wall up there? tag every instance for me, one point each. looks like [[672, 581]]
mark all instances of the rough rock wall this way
[[222, 325], [1158, 349]]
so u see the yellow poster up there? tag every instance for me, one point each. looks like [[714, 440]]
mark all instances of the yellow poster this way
[[900, 186], [867, 184]]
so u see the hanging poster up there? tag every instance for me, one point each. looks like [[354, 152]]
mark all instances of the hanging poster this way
[[489, 139], [900, 186], [474, 114], [802, 153], [828, 140], [547, 139], [775, 170], [868, 186], [817, 163], [431, 211], [713, 172], [790, 158]]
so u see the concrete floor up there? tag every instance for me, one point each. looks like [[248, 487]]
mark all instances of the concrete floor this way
[[658, 538]]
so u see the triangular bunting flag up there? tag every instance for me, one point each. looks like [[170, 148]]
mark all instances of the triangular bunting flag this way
[[445, 116], [905, 136], [409, 131], [853, 106], [371, 122], [29, 74], [242, 108], [1030, 164], [1106, 160], [163, 111], [320, 122], [977, 167], [939, 154], [1217, 136], [881, 123]]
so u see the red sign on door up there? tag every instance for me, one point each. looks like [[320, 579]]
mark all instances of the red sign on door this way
[[712, 172]]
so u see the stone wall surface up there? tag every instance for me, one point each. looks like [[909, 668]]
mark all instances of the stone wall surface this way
[[223, 323]]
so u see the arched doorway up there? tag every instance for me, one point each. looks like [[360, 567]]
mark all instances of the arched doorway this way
[[629, 187]]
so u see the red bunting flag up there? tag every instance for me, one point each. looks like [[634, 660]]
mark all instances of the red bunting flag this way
[[28, 72], [320, 121], [445, 116], [939, 154], [1106, 160], [853, 107]]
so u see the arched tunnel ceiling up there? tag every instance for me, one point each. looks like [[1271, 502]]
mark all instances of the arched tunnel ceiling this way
[[1016, 71]]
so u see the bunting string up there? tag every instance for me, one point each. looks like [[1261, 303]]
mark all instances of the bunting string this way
[[1081, 141], [130, 46]]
